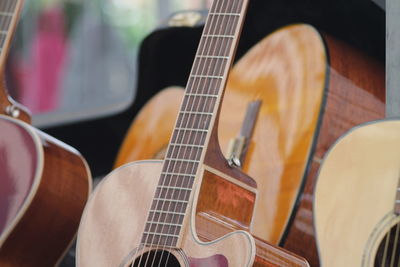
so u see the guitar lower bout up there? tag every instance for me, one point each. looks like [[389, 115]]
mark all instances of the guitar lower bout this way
[[114, 220]]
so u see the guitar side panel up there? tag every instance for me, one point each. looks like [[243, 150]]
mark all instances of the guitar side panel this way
[[50, 222], [21, 167], [355, 95]]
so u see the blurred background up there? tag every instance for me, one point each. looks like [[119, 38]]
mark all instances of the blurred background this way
[[75, 59], [84, 68]]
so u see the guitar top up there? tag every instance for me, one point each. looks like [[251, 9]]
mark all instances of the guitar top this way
[[357, 198]]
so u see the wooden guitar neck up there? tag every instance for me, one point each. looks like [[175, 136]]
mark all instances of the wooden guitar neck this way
[[10, 11]]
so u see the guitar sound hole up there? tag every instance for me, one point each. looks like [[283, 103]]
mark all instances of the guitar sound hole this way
[[156, 258], [389, 249]]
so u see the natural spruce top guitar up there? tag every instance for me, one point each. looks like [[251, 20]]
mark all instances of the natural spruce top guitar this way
[[143, 213], [44, 184], [357, 198]]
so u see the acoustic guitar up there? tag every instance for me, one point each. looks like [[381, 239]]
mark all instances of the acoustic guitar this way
[[142, 214], [44, 184], [357, 198], [309, 97], [276, 150]]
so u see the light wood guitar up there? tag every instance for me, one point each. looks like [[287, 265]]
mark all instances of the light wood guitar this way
[[142, 214], [309, 97], [44, 184], [357, 198], [290, 92]]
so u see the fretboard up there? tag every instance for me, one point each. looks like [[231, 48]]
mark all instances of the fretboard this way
[[195, 121], [7, 12]]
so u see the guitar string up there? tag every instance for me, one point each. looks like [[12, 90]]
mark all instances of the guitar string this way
[[218, 66], [196, 87], [394, 249], [184, 107], [386, 248], [167, 167]]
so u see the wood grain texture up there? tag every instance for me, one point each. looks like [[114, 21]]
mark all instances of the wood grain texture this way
[[287, 72], [225, 200], [51, 217], [355, 193], [209, 228], [356, 94], [112, 220], [115, 217]]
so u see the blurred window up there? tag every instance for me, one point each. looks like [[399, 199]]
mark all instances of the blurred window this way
[[76, 59]]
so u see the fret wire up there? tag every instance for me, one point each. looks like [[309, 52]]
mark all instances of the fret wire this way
[[219, 36], [206, 77], [224, 14], [195, 112], [172, 187], [171, 200], [214, 57], [183, 160], [193, 130], [164, 223], [179, 174], [206, 104], [186, 145], [201, 95], [160, 234], [168, 212]]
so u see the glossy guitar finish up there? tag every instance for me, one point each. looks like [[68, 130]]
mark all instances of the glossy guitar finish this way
[[44, 188], [287, 72], [355, 195], [109, 233], [355, 93]]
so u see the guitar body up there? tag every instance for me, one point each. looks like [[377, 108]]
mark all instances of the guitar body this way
[[291, 92], [355, 197], [44, 188], [355, 94], [115, 216]]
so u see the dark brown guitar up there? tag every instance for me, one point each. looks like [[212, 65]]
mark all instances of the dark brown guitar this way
[[44, 183]]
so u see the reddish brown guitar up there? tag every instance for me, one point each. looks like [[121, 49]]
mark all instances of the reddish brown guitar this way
[[354, 93], [44, 184]]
